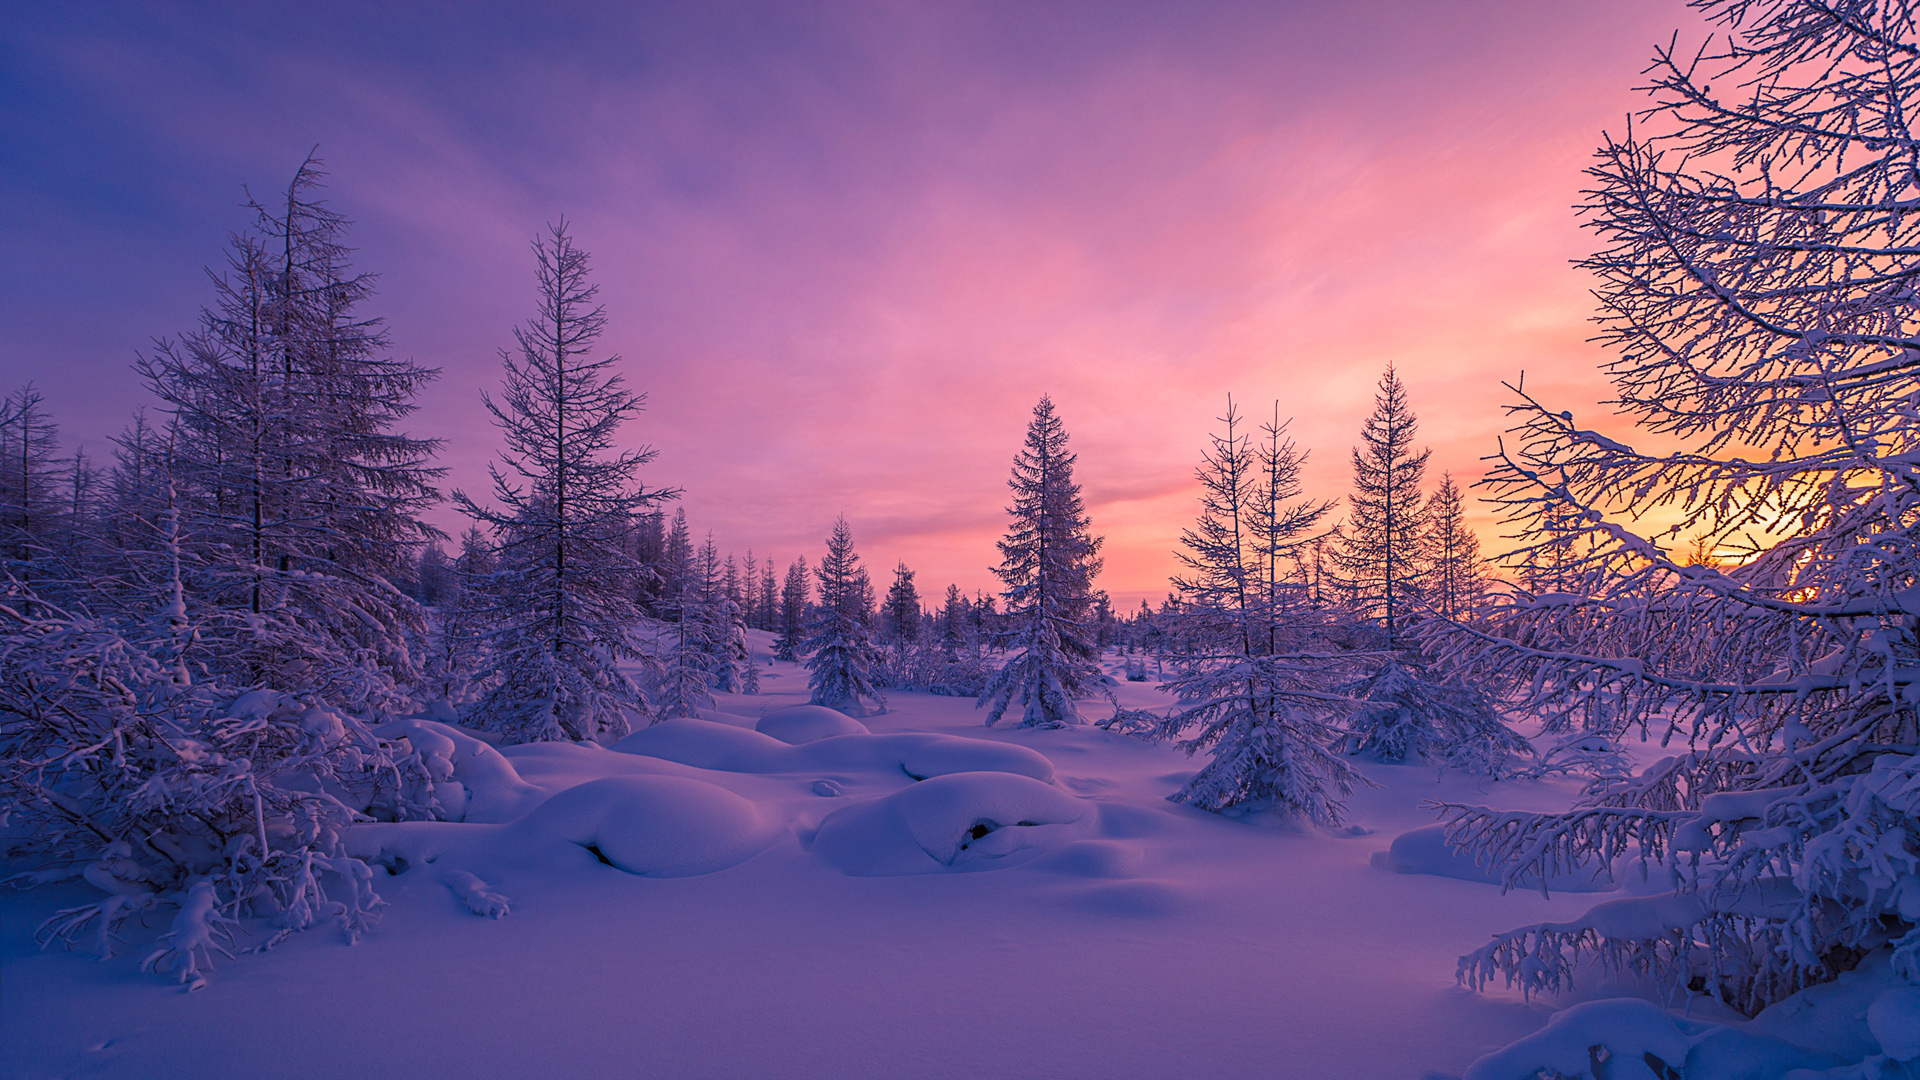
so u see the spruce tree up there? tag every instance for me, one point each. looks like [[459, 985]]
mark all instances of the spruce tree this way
[[839, 645], [563, 600], [1379, 559], [1048, 561]]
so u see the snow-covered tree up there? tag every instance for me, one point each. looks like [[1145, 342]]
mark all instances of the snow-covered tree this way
[[1252, 685], [1456, 581], [954, 624], [123, 766], [1756, 281], [900, 614], [1378, 558], [457, 644], [1048, 561], [793, 611], [29, 466], [299, 496], [563, 598], [839, 645]]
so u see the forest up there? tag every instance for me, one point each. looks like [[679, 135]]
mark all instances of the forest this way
[[248, 690]]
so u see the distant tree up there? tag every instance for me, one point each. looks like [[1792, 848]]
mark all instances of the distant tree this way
[[29, 480], [839, 645], [1378, 556], [793, 611], [1456, 580], [900, 615], [1048, 561], [955, 624], [563, 601], [677, 572]]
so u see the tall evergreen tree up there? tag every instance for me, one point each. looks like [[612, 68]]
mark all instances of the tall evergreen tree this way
[[1378, 558], [1048, 561], [839, 645], [563, 600], [299, 497]]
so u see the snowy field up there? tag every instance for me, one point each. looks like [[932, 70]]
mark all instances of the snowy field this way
[[1120, 936]]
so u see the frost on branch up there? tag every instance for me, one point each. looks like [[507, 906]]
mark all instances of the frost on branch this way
[[1756, 282], [118, 768]]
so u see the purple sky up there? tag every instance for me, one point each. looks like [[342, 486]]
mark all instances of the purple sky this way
[[845, 248]]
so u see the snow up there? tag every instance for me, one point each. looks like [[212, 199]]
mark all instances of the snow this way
[[1425, 851], [808, 723], [837, 916], [960, 820]]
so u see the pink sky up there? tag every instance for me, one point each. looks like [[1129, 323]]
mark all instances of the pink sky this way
[[845, 249]]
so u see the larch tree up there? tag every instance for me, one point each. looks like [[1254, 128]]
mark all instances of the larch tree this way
[[1253, 686], [563, 599], [839, 644], [1378, 559], [1756, 281], [299, 496], [1049, 558]]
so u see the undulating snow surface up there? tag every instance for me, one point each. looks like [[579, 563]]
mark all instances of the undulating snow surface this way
[[933, 899]]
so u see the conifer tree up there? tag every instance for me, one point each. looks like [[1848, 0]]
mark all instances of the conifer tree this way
[[1754, 279], [1249, 677], [29, 446], [1378, 558], [299, 498], [1048, 561], [563, 600], [900, 615], [839, 645], [793, 611], [1456, 579], [954, 624]]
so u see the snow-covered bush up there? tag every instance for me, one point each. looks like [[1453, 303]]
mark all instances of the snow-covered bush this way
[[118, 765], [1758, 284], [1403, 715]]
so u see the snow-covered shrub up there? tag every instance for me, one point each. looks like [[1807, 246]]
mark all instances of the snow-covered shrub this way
[[1758, 284], [1404, 715], [118, 767]]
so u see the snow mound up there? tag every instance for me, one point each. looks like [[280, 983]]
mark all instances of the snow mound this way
[[723, 747], [808, 723], [1426, 851], [471, 780], [1630, 1039], [958, 821], [659, 826]]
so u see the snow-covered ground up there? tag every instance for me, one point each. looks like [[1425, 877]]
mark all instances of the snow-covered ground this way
[[1117, 936]]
